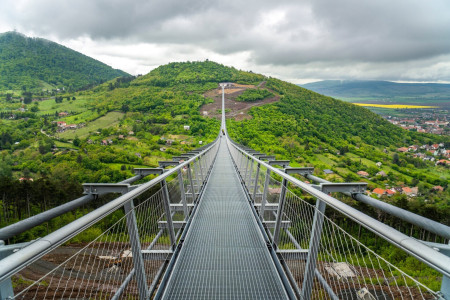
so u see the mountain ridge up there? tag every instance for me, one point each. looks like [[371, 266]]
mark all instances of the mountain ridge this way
[[29, 63], [378, 89]]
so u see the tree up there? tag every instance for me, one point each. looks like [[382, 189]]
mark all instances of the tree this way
[[395, 159], [76, 142]]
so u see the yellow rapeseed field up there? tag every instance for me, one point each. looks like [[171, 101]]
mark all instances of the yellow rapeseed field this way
[[395, 105]]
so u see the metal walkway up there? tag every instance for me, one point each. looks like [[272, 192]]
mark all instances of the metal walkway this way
[[224, 255]]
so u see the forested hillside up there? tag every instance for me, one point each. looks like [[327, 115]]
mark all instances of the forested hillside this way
[[101, 134], [314, 130], [38, 64]]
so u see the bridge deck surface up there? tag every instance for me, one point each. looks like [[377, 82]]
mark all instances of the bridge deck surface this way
[[224, 255]]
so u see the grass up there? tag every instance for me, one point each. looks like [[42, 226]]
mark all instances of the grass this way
[[50, 106], [108, 120], [64, 145]]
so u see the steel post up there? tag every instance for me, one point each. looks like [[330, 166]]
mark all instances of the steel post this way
[[191, 182], [255, 188], [168, 213], [264, 195], [138, 261], [276, 233], [314, 243], [183, 196], [246, 169], [249, 183], [201, 169]]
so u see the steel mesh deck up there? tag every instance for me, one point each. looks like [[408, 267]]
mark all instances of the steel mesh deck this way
[[224, 255]]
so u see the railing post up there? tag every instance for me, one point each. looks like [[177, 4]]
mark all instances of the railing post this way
[[183, 196], [168, 213], [138, 261], [276, 233], [191, 182], [264, 195], [313, 252], [246, 169], [201, 169], [241, 161], [249, 184], [255, 189]]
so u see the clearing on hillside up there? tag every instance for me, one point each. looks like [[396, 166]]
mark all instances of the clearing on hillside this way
[[234, 109], [108, 120]]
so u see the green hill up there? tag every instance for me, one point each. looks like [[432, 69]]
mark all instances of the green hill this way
[[134, 122], [36, 64]]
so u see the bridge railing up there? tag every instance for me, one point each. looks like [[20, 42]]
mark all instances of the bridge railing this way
[[318, 238], [119, 250]]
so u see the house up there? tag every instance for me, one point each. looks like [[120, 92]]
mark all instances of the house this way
[[110, 141], [379, 192], [412, 192], [438, 188], [121, 137], [138, 155], [186, 127], [378, 164], [402, 149], [63, 114], [328, 171], [200, 142], [363, 173], [169, 142], [26, 179], [104, 142], [130, 132], [412, 148], [390, 192], [72, 126], [443, 162], [382, 174], [61, 124]]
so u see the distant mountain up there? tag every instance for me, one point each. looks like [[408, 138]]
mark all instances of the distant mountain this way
[[36, 63], [379, 89]]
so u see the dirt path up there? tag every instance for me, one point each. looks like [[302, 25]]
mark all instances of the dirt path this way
[[237, 110]]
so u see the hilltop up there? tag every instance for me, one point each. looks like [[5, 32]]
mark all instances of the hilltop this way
[[38, 64]]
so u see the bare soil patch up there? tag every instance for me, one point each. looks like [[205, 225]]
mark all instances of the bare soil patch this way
[[237, 110]]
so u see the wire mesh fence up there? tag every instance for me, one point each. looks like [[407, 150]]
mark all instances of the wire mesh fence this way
[[325, 260], [123, 255]]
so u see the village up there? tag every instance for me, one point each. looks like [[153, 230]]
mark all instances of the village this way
[[435, 123]]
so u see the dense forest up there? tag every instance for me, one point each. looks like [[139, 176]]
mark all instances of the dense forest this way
[[38, 64]]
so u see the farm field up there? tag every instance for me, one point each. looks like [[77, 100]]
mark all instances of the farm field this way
[[395, 106], [108, 120]]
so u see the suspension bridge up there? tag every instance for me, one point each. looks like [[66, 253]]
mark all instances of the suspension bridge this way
[[222, 222]]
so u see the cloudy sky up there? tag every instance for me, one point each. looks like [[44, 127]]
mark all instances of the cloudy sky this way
[[295, 40]]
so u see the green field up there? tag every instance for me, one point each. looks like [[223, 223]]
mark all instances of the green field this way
[[49, 106], [108, 120]]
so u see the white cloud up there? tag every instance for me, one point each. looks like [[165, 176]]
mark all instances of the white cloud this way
[[296, 40]]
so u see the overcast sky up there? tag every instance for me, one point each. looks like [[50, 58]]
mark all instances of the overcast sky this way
[[295, 40]]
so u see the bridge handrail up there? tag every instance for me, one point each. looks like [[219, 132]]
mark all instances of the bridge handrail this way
[[426, 254], [27, 255]]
